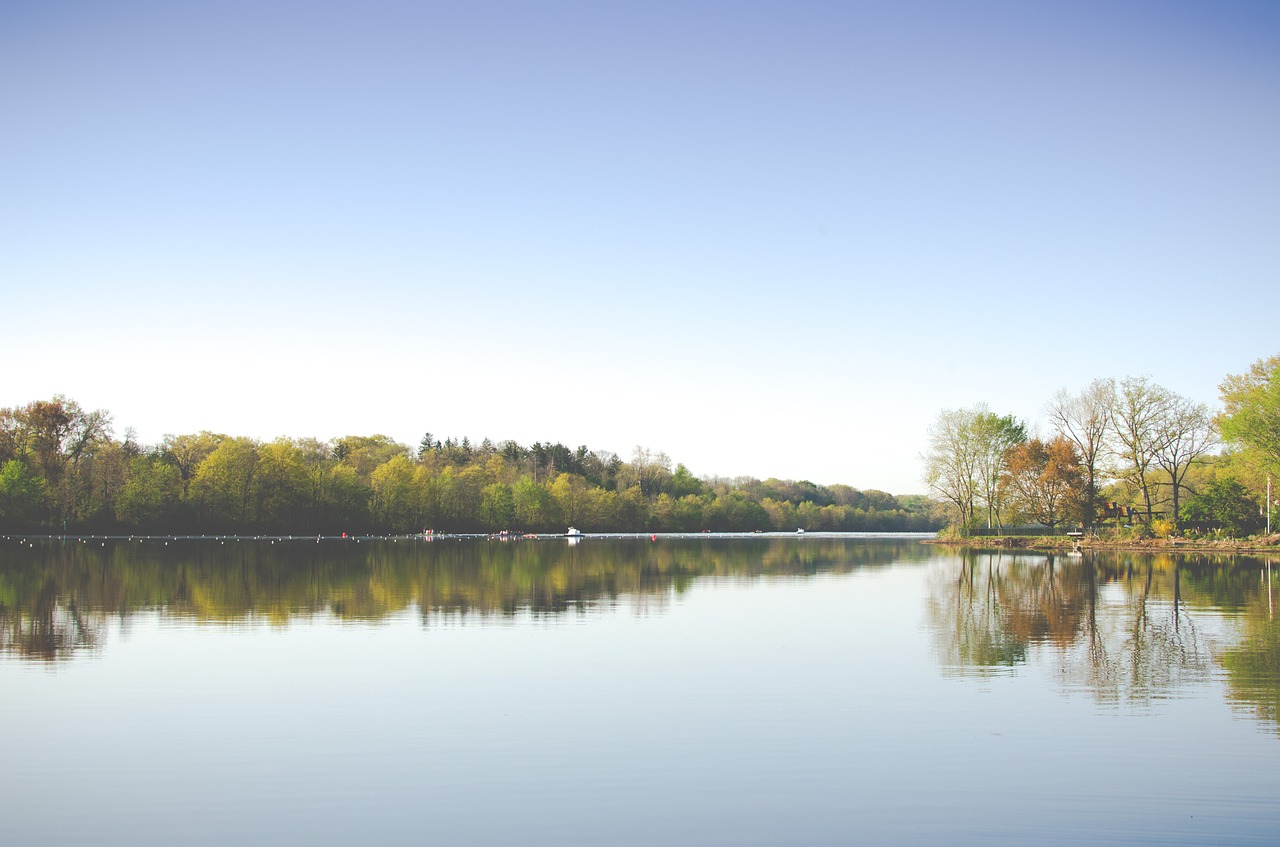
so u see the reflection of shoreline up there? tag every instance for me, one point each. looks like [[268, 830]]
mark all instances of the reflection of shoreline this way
[[54, 595], [1058, 544], [1129, 628]]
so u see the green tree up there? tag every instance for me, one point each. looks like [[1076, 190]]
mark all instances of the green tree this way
[[571, 495], [186, 452], [224, 484], [687, 513], [782, 514], [150, 495], [395, 499], [21, 495], [283, 486], [344, 500], [662, 513], [994, 435], [1226, 505], [1250, 419], [498, 506], [684, 483], [535, 508], [735, 512], [364, 453], [103, 473]]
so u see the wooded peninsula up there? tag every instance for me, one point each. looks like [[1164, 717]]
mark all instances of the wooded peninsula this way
[[1126, 461], [62, 470]]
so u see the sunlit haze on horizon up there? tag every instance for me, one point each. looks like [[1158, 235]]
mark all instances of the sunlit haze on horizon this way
[[768, 239]]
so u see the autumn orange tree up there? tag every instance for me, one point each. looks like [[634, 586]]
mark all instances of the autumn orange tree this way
[[1046, 480]]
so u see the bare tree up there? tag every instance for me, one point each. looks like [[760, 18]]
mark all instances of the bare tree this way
[[1188, 434], [1085, 420], [1138, 418], [951, 465]]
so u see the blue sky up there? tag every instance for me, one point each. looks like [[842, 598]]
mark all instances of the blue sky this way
[[772, 239]]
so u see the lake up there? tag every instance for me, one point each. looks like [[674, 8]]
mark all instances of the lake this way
[[813, 690]]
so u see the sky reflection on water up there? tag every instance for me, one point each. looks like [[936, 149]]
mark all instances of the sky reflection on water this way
[[771, 692]]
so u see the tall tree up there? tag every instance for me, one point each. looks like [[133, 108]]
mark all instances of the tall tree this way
[[55, 434], [571, 495], [225, 483], [186, 452], [1250, 418], [366, 452], [1137, 420], [498, 506], [951, 464], [534, 507], [283, 485], [21, 495], [1188, 434], [994, 435], [683, 482], [1085, 420], [151, 493], [1047, 480], [395, 499]]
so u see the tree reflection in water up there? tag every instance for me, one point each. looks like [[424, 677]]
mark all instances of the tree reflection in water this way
[[1127, 628], [1253, 663], [56, 597]]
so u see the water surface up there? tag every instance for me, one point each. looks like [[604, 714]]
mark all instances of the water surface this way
[[807, 690]]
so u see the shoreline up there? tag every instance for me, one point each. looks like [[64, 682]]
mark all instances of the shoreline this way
[[1269, 544]]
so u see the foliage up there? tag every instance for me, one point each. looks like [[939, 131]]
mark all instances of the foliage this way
[[1224, 505], [1250, 419], [151, 493], [966, 459], [1046, 480], [951, 464], [58, 461], [1141, 448], [21, 495]]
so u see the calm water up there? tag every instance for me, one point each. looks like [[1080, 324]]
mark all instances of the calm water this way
[[706, 691]]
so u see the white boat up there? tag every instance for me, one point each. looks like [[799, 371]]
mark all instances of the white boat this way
[[800, 531], [574, 533]]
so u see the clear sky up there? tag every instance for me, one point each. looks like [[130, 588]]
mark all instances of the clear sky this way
[[767, 238]]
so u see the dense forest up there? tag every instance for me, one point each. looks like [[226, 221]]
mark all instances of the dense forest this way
[[1130, 454], [63, 470]]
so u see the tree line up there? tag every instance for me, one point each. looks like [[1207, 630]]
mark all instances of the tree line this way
[[1130, 451], [63, 469]]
